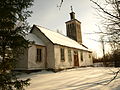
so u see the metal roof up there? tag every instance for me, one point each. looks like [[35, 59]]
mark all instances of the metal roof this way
[[60, 39], [33, 38]]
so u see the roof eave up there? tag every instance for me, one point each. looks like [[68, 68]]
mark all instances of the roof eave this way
[[72, 47]]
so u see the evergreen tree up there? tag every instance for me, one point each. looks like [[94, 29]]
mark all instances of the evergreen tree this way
[[13, 25]]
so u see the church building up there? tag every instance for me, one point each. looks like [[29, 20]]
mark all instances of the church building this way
[[52, 50]]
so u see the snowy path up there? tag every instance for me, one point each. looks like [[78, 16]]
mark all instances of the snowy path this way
[[74, 79]]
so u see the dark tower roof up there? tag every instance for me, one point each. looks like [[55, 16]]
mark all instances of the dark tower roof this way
[[72, 15]]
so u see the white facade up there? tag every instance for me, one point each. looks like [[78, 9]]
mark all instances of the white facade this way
[[32, 54], [87, 59]]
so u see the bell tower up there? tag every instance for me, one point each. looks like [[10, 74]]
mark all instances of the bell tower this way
[[73, 27]]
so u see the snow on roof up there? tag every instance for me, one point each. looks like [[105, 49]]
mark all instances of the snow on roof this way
[[34, 38], [60, 39]]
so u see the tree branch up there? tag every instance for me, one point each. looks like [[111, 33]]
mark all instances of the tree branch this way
[[104, 10], [59, 6]]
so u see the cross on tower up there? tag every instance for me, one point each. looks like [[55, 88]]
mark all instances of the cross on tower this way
[[71, 9]]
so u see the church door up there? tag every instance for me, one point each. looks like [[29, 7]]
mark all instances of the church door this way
[[76, 60]]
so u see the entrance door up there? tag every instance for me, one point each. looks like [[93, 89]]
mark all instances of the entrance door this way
[[76, 60]]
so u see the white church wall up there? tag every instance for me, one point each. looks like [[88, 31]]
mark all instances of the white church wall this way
[[50, 48], [50, 57], [72, 54], [87, 60], [82, 62], [90, 58], [59, 64], [79, 57], [32, 58]]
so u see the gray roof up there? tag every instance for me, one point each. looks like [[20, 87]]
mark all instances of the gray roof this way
[[33, 38]]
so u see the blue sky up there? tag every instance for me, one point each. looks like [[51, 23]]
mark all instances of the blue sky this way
[[47, 14]]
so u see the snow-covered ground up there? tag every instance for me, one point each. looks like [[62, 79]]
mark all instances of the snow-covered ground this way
[[90, 78]]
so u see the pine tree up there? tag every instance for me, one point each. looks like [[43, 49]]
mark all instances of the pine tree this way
[[13, 25]]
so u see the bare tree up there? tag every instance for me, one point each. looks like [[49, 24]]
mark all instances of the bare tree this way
[[102, 41], [59, 6], [110, 12]]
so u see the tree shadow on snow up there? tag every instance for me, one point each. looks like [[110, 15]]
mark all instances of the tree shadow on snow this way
[[85, 86]]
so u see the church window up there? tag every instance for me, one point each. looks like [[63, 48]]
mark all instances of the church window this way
[[81, 56], [39, 55], [62, 51], [89, 55], [69, 55]]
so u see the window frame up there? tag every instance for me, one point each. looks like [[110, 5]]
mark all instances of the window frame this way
[[62, 54], [69, 55], [81, 56], [90, 56], [39, 55]]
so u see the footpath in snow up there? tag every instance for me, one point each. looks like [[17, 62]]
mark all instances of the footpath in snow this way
[[89, 78]]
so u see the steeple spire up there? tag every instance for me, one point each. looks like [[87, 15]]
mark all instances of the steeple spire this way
[[72, 14]]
